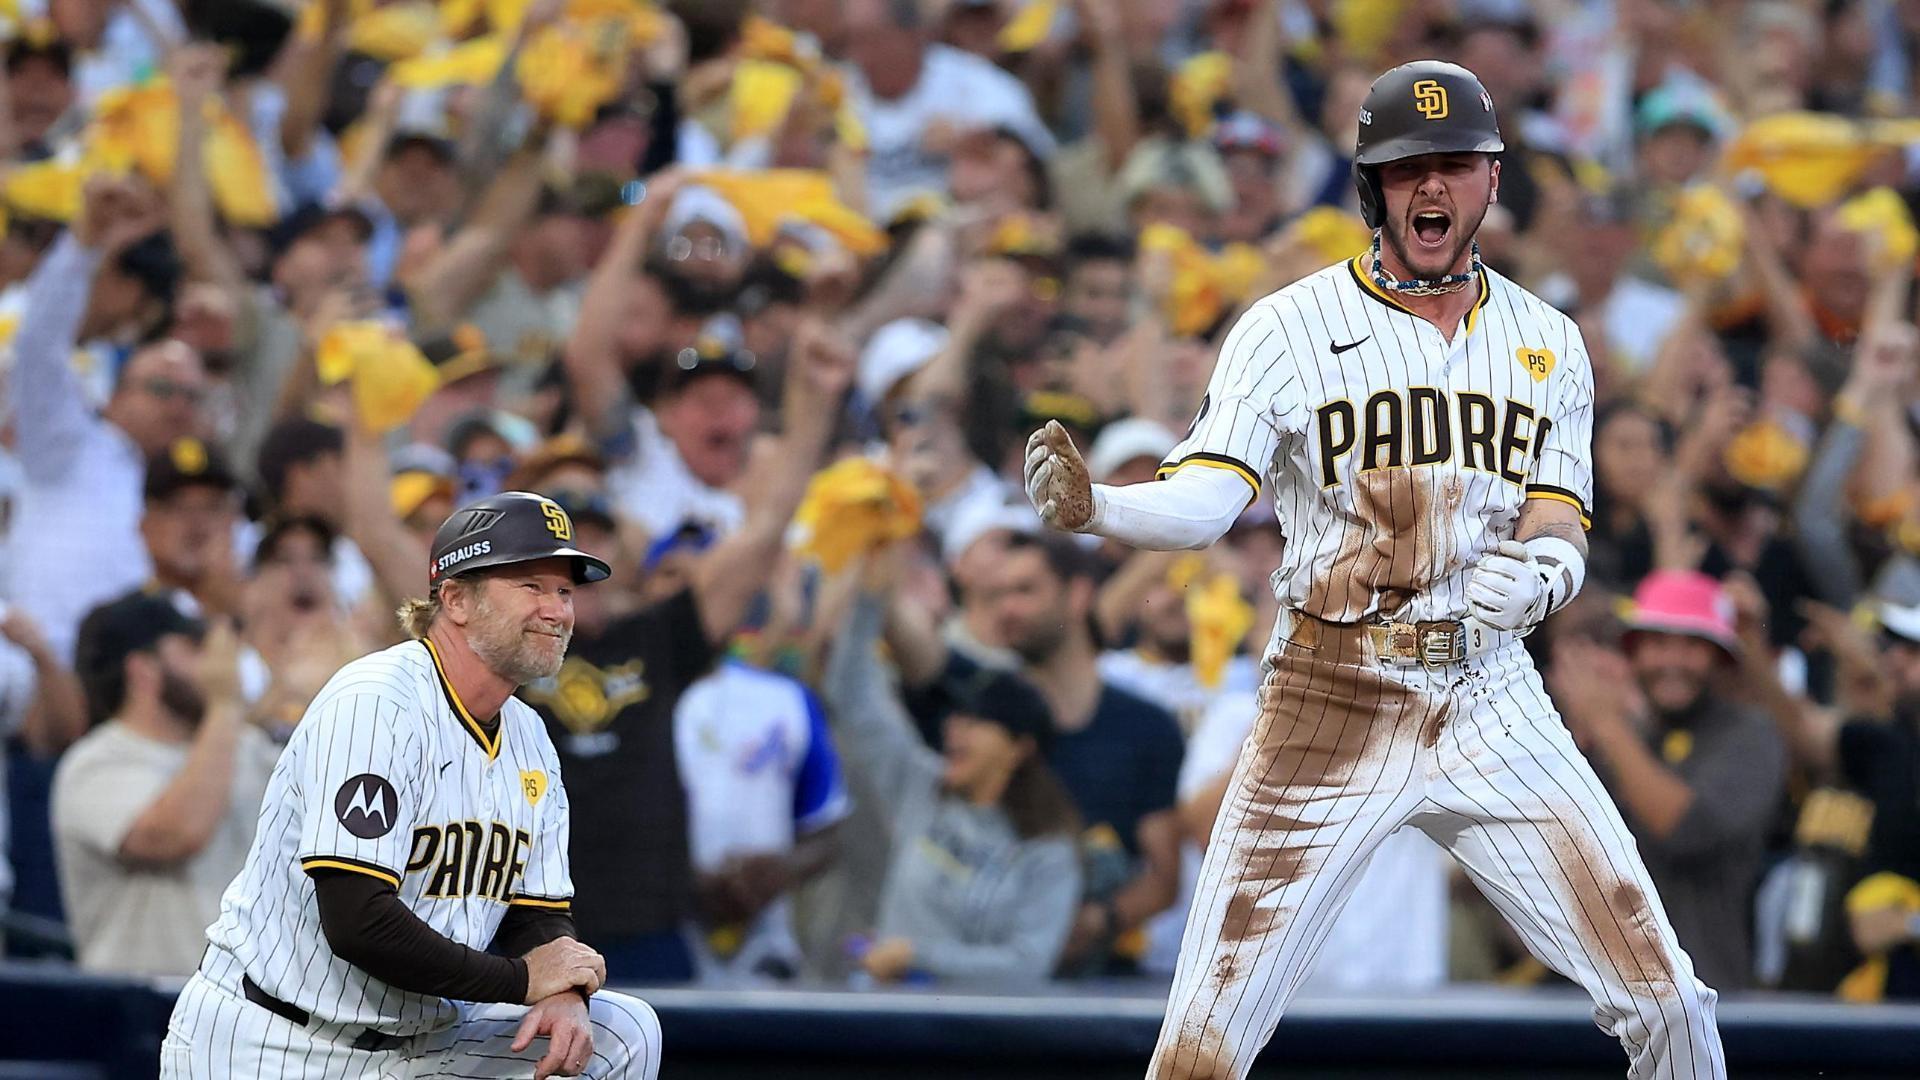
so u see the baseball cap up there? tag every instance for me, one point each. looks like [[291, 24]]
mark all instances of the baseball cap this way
[[116, 630], [1687, 603], [420, 471], [507, 528], [431, 139], [556, 452], [1126, 440], [711, 355], [1681, 103], [1002, 698], [1077, 411], [185, 463], [978, 516], [698, 204], [39, 38], [1242, 130], [309, 216], [459, 353], [1190, 166], [587, 508], [1900, 621], [897, 350], [691, 537]]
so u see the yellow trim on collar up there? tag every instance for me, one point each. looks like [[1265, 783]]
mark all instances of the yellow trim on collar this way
[[490, 745], [1364, 276]]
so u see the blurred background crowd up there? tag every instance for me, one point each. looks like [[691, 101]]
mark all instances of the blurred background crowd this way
[[768, 294]]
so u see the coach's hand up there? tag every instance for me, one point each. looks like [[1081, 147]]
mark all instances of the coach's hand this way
[[564, 1020], [1508, 589], [1057, 481], [561, 965]]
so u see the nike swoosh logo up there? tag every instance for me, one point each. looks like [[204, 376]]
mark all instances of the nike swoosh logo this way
[[447, 766], [1338, 349]]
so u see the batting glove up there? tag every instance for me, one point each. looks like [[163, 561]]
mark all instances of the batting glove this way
[[1508, 589], [1057, 480]]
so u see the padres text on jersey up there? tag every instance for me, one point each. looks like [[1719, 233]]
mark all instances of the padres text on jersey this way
[[1397, 458], [389, 775]]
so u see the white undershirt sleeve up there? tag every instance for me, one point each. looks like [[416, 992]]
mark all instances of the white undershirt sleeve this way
[[1191, 508]]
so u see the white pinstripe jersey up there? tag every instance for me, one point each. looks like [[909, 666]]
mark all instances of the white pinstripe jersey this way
[[389, 775], [1397, 459]]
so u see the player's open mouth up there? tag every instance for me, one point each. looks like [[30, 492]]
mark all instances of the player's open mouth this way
[[1430, 228]]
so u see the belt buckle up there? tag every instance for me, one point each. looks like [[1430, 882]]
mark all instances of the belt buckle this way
[[1395, 643], [1441, 643]]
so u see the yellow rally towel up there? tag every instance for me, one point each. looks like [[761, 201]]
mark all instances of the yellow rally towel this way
[[1363, 27], [1332, 233], [768, 197], [1704, 237], [641, 18], [49, 190], [1218, 617], [1765, 455], [389, 32], [1196, 87], [1808, 159], [389, 376], [774, 65], [1867, 983], [1030, 26], [137, 128], [761, 95], [568, 71], [471, 63], [1882, 214], [850, 508], [1204, 284]]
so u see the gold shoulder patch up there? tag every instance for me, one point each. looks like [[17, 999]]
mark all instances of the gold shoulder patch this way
[[533, 784]]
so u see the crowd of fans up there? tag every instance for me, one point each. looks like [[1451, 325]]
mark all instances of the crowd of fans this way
[[768, 295]]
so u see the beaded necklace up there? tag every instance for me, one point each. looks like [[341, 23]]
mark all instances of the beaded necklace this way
[[1424, 286]]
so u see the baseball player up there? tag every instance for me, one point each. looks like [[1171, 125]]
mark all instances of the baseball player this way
[[415, 821], [1425, 425]]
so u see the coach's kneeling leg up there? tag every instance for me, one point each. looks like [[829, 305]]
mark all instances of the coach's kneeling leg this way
[[626, 1038]]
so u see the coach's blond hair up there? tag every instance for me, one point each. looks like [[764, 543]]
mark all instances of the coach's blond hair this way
[[417, 613]]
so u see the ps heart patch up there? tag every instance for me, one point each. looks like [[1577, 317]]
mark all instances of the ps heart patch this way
[[1538, 362]]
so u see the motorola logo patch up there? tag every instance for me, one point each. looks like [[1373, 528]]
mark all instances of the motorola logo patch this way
[[366, 806]]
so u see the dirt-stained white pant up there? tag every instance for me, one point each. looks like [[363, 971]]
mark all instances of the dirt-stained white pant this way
[[217, 1034], [1345, 751]]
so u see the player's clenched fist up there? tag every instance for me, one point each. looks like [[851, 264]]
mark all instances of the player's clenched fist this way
[[1057, 480], [1508, 589], [559, 966]]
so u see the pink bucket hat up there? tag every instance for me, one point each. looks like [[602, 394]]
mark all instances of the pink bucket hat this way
[[1684, 602]]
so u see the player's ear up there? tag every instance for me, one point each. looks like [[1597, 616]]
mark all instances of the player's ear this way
[[1493, 184], [456, 599]]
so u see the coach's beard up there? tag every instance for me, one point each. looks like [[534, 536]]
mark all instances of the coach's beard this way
[[520, 653]]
